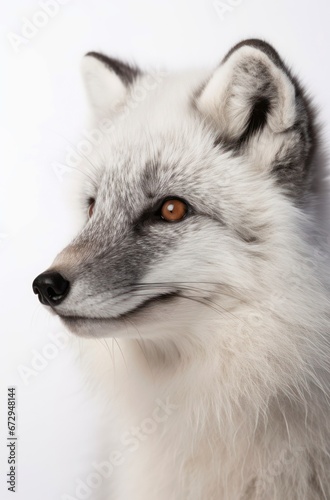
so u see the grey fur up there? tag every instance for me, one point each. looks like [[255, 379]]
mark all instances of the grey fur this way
[[293, 165], [231, 304]]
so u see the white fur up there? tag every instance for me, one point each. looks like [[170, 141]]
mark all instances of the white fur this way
[[247, 369], [230, 104], [104, 88]]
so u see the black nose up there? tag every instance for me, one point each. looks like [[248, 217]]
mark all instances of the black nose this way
[[51, 288]]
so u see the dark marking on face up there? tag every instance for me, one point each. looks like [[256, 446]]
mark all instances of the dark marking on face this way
[[149, 178], [165, 298]]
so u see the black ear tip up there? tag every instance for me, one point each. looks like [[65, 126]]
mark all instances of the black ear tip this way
[[97, 55], [258, 43], [261, 45], [126, 72]]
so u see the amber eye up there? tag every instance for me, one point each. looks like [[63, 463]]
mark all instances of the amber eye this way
[[174, 210], [91, 207]]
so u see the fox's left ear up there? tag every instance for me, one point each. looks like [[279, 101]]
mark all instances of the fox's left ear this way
[[107, 81], [258, 109]]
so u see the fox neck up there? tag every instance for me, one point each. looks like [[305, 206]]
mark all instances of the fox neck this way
[[206, 423], [232, 401]]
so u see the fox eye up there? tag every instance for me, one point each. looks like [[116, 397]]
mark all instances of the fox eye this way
[[91, 203], [173, 210]]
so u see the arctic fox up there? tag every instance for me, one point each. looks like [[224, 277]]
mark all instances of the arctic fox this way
[[196, 256]]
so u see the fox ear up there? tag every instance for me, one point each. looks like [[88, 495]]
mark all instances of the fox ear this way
[[258, 109], [106, 81]]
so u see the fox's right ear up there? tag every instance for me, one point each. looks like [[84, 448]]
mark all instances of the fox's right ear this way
[[106, 81], [258, 110]]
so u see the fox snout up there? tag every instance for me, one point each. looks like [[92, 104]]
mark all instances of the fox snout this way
[[51, 288]]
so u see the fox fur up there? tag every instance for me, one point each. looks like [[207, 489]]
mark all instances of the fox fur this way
[[222, 318]]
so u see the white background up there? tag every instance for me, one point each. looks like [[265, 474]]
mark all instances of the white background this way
[[62, 408]]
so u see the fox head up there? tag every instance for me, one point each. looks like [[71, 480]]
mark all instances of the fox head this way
[[192, 199]]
